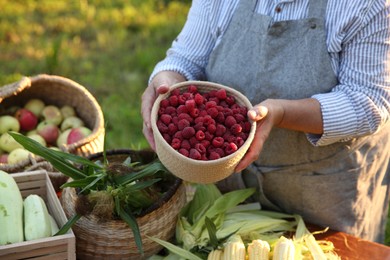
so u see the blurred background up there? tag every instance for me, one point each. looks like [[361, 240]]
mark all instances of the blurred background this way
[[109, 47]]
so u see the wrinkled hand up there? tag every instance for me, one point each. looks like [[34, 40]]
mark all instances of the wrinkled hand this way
[[267, 114], [159, 85]]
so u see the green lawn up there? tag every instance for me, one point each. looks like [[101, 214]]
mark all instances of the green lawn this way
[[109, 47]]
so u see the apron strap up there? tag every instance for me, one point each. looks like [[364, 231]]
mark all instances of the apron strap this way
[[317, 8]]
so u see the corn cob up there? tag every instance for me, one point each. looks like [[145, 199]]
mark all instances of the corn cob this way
[[258, 250], [284, 249], [215, 255], [234, 249]]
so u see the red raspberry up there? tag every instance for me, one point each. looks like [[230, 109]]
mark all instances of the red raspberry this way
[[162, 127], [198, 99], [199, 119], [204, 157], [217, 142], [202, 112], [227, 112], [172, 129], [228, 137], [230, 100], [231, 148], [167, 138], [230, 121], [200, 148], [193, 141], [183, 123], [221, 94], [208, 136], [179, 135], [210, 104], [220, 131], [192, 89], [185, 116], [184, 152], [199, 127], [220, 118], [246, 127], [200, 135], [205, 143], [239, 117], [194, 113], [239, 141], [174, 101], [182, 100], [213, 112], [164, 103], [211, 128], [220, 151], [185, 144], [190, 104], [166, 118], [187, 95], [188, 132], [161, 111], [175, 120], [207, 120], [194, 154], [236, 128], [212, 93], [181, 109], [170, 110], [214, 156], [176, 143], [175, 92]]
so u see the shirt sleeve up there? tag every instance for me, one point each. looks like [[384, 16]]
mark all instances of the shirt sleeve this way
[[360, 104], [190, 51]]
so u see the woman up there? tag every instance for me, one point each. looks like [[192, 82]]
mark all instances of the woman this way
[[317, 72]]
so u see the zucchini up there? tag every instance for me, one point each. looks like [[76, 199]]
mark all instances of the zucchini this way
[[37, 222], [54, 226], [11, 210]]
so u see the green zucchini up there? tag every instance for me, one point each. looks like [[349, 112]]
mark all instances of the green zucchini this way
[[11, 210], [37, 222]]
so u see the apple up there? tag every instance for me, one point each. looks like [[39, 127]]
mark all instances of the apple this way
[[38, 138], [63, 138], [32, 132], [27, 119], [9, 123], [78, 133], [67, 111], [71, 122], [35, 105], [52, 114], [48, 131], [4, 158], [8, 143], [18, 155]]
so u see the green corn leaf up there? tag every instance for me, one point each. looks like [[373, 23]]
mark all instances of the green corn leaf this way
[[185, 254], [68, 225], [148, 170], [132, 222], [212, 232], [140, 185]]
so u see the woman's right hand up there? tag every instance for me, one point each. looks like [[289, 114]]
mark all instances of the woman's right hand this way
[[159, 85]]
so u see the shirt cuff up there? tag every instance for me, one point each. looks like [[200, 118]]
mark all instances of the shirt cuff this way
[[339, 119], [171, 65]]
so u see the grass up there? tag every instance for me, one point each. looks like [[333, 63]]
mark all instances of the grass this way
[[109, 47]]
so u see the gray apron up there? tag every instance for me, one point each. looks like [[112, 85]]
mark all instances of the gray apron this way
[[343, 185]]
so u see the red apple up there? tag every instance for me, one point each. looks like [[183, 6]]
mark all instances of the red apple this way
[[78, 133], [27, 119], [48, 131]]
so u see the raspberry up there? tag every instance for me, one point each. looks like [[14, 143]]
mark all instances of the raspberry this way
[[178, 135], [194, 112], [220, 131], [184, 152], [230, 100], [182, 100], [200, 135], [211, 128], [202, 112], [221, 94], [161, 111], [227, 112], [199, 127], [183, 123], [239, 141], [214, 156], [239, 117], [229, 137], [193, 141], [231, 148], [236, 128], [175, 92], [204, 157], [210, 104], [220, 151], [187, 95], [199, 119], [217, 142], [220, 118], [207, 120], [194, 154], [190, 104], [175, 120], [166, 118], [208, 136], [192, 89], [167, 138], [185, 116], [246, 126], [213, 112], [198, 99], [200, 148], [176, 143], [170, 110], [230, 121], [174, 101], [164, 103], [205, 143], [185, 144], [162, 127], [181, 109], [212, 93], [188, 132], [172, 129]]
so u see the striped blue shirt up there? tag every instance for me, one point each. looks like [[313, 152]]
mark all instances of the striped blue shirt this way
[[358, 41]]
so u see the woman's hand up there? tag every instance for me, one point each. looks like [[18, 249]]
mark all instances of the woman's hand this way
[[159, 85], [299, 115]]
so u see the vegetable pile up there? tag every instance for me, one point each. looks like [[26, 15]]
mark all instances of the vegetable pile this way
[[219, 226], [203, 126]]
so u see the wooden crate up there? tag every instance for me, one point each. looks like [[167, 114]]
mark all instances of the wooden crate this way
[[57, 247]]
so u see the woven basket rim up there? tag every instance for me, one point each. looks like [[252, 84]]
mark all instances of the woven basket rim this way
[[156, 105]]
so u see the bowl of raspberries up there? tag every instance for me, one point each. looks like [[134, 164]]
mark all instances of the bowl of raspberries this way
[[201, 130]]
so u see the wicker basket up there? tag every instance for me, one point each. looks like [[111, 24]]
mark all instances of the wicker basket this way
[[197, 171], [58, 91], [114, 239]]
